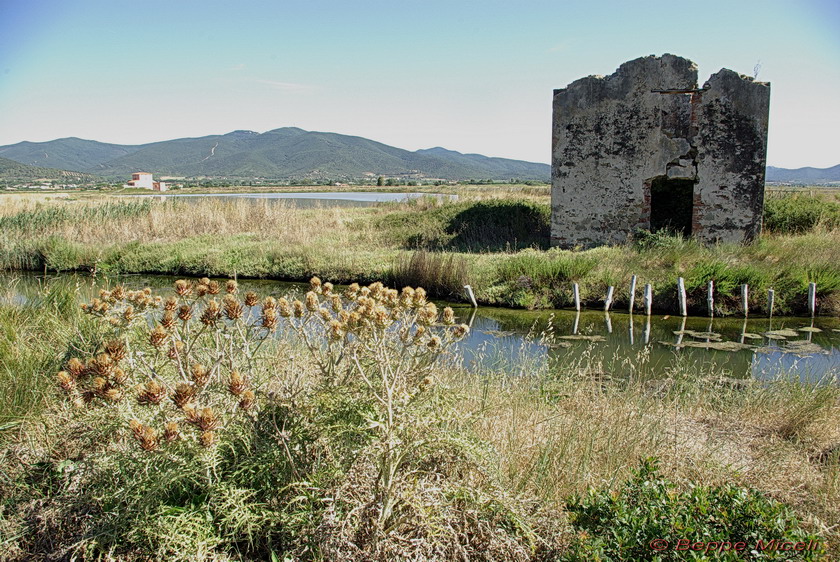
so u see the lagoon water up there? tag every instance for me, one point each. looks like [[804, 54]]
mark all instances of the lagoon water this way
[[309, 198], [617, 345]]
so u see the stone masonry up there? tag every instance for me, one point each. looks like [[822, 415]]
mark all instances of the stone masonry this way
[[645, 148]]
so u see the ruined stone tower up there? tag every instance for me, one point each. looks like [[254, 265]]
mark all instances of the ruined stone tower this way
[[645, 148]]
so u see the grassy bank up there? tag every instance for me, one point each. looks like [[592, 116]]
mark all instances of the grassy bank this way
[[343, 452], [497, 241]]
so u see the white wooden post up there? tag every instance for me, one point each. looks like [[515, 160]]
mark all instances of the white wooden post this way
[[576, 291], [609, 299], [648, 299], [771, 300], [745, 297], [470, 295], [632, 293], [812, 298], [681, 295], [710, 297]]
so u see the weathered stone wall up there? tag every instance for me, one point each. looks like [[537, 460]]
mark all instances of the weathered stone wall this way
[[612, 136]]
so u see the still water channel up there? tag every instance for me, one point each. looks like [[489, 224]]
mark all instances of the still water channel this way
[[618, 345]]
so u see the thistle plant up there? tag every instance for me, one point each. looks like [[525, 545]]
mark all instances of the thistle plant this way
[[177, 369], [384, 342]]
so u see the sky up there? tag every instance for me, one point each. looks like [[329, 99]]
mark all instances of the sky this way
[[471, 76]]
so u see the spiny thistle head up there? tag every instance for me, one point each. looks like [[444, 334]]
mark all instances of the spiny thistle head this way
[[157, 336], [116, 349], [434, 342], [207, 439], [76, 368], [335, 300], [128, 313], [460, 331], [328, 289], [119, 376], [233, 308], [183, 395], [407, 297], [185, 312], [66, 381], [176, 349], [364, 291], [147, 436], [284, 307], [315, 284], [171, 303], [269, 319], [201, 289], [112, 394], [200, 374], [336, 330], [297, 309], [448, 316], [102, 365], [118, 293], [237, 383], [213, 287], [324, 314], [171, 432], [167, 320], [269, 303], [231, 287], [376, 289], [251, 298], [211, 313], [428, 314], [207, 420], [153, 393], [419, 296], [183, 287], [352, 291], [311, 301], [247, 401]]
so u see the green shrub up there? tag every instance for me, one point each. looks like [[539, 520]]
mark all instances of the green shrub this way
[[626, 524], [794, 215]]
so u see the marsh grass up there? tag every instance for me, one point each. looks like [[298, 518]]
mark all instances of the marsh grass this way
[[497, 240], [501, 449]]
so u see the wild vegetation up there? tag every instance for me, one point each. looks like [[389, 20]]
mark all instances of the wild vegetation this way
[[495, 239]]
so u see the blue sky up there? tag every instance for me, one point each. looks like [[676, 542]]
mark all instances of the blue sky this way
[[469, 76]]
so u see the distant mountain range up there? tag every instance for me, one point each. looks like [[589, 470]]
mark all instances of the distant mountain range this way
[[288, 153], [803, 175]]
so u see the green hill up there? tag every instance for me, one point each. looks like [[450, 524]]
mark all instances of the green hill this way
[[11, 170], [287, 153]]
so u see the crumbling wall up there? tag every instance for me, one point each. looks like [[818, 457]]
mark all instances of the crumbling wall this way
[[614, 136]]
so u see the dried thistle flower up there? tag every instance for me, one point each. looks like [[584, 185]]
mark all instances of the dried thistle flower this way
[[328, 289], [208, 439], [233, 308], [311, 301], [434, 342], [207, 420], [251, 298], [297, 308], [324, 314], [200, 374], [147, 436], [336, 330], [336, 303], [352, 291], [185, 312], [76, 368], [213, 287], [183, 395], [168, 320], [211, 313], [201, 290], [153, 393], [176, 349], [460, 331], [118, 293], [248, 400], [419, 297], [231, 287], [112, 394], [315, 284], [269, 319], [171, 432], [269, 303], [237, 383], [183, 287], [448, 316], [101, 365], [157, 336], [407, 297], [285, 308], [119, 376], [66, 381], [128, 313], [116, 350], [171, 303]]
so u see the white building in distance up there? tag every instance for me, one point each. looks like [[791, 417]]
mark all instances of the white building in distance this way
[[144, 180]]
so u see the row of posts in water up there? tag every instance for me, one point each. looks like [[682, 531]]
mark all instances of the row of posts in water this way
[[681, 297]]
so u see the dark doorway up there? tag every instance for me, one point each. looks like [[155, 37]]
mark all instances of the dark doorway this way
[[671, 205]]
